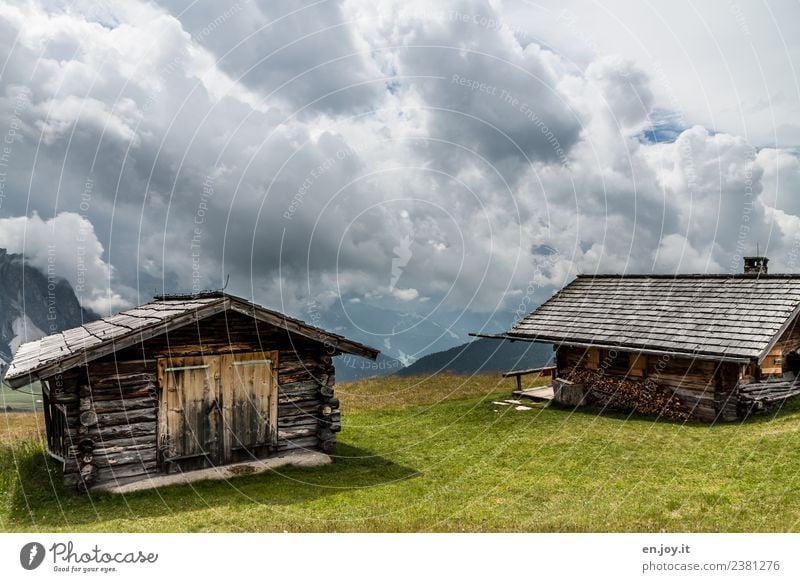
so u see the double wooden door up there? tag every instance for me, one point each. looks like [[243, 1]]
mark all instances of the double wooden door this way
[[216, 409]]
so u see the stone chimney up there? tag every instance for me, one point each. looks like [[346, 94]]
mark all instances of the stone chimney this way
[[755, 265]]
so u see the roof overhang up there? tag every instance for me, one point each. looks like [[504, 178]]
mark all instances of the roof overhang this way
[[336, 343], [59, 366], [739, 359], [791, 321]]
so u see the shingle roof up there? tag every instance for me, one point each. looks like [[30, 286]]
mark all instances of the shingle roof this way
[[717, 316], [61, 351]]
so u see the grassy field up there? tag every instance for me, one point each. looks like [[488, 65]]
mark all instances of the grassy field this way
[[438, 455], [25, 400]]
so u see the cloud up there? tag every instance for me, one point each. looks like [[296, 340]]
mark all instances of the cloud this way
[[296, 149], [304, 57], [405, 294], [66, 246], [676, 255], [781, 179], [625, 89], [487, 94]]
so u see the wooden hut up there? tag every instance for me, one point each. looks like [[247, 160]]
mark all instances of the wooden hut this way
[[183, 383], [700, 347]]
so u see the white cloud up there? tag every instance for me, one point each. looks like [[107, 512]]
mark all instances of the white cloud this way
[[65, 246], [201, 139], [676, 255], [731, 67], [781, 179], [405, 294]]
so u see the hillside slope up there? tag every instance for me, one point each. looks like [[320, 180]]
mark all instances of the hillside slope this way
[[482, 355]]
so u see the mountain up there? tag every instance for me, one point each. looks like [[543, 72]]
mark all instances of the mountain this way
[[482, 355], [33, 305], [399, 334], [422, 343]]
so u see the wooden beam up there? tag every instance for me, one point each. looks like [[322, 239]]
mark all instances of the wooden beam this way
[[491, 336], [776, 338], [740, 359], [299, 328], [124, 340], [529, 371]]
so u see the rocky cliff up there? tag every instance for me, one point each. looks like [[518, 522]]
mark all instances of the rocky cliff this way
[[33, 305]]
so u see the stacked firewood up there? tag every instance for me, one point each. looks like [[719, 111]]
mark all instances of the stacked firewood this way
[[769, 391], [643, 396]]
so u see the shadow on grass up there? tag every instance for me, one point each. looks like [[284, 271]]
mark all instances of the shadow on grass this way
[[33, 502]]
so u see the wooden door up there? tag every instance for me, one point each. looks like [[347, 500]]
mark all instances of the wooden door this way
[[190, 417], [214, 406], [250, 402]]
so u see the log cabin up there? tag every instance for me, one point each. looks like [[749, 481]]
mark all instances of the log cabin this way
[[694, 347], [183, 383]]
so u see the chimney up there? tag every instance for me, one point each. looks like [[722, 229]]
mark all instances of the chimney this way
[[755, 265]]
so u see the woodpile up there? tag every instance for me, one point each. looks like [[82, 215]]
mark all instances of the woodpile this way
[[643, 396], [764, 396]]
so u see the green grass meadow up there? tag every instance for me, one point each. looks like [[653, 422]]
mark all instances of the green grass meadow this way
[[24, 400], [437, 454]]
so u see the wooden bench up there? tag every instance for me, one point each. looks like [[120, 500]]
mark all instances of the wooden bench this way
[[519, 373]]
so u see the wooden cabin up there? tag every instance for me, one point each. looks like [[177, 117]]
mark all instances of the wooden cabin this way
[[180, 384], [699, 347]]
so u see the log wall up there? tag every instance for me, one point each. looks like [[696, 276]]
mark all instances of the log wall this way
[[112, 403], [308, 412], [790, 339], [111, 423]]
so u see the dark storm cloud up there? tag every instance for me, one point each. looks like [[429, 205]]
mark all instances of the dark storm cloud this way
[[169, 139], [303, 56], [485, 91]]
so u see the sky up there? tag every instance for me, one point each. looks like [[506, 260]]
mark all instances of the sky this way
[[381, 164]]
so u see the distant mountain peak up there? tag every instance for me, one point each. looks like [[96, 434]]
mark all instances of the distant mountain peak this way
[[482, 356], [33, 304]]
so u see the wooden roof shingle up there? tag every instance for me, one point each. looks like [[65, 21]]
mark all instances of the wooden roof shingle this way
[[728, 317], [62, 351]]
